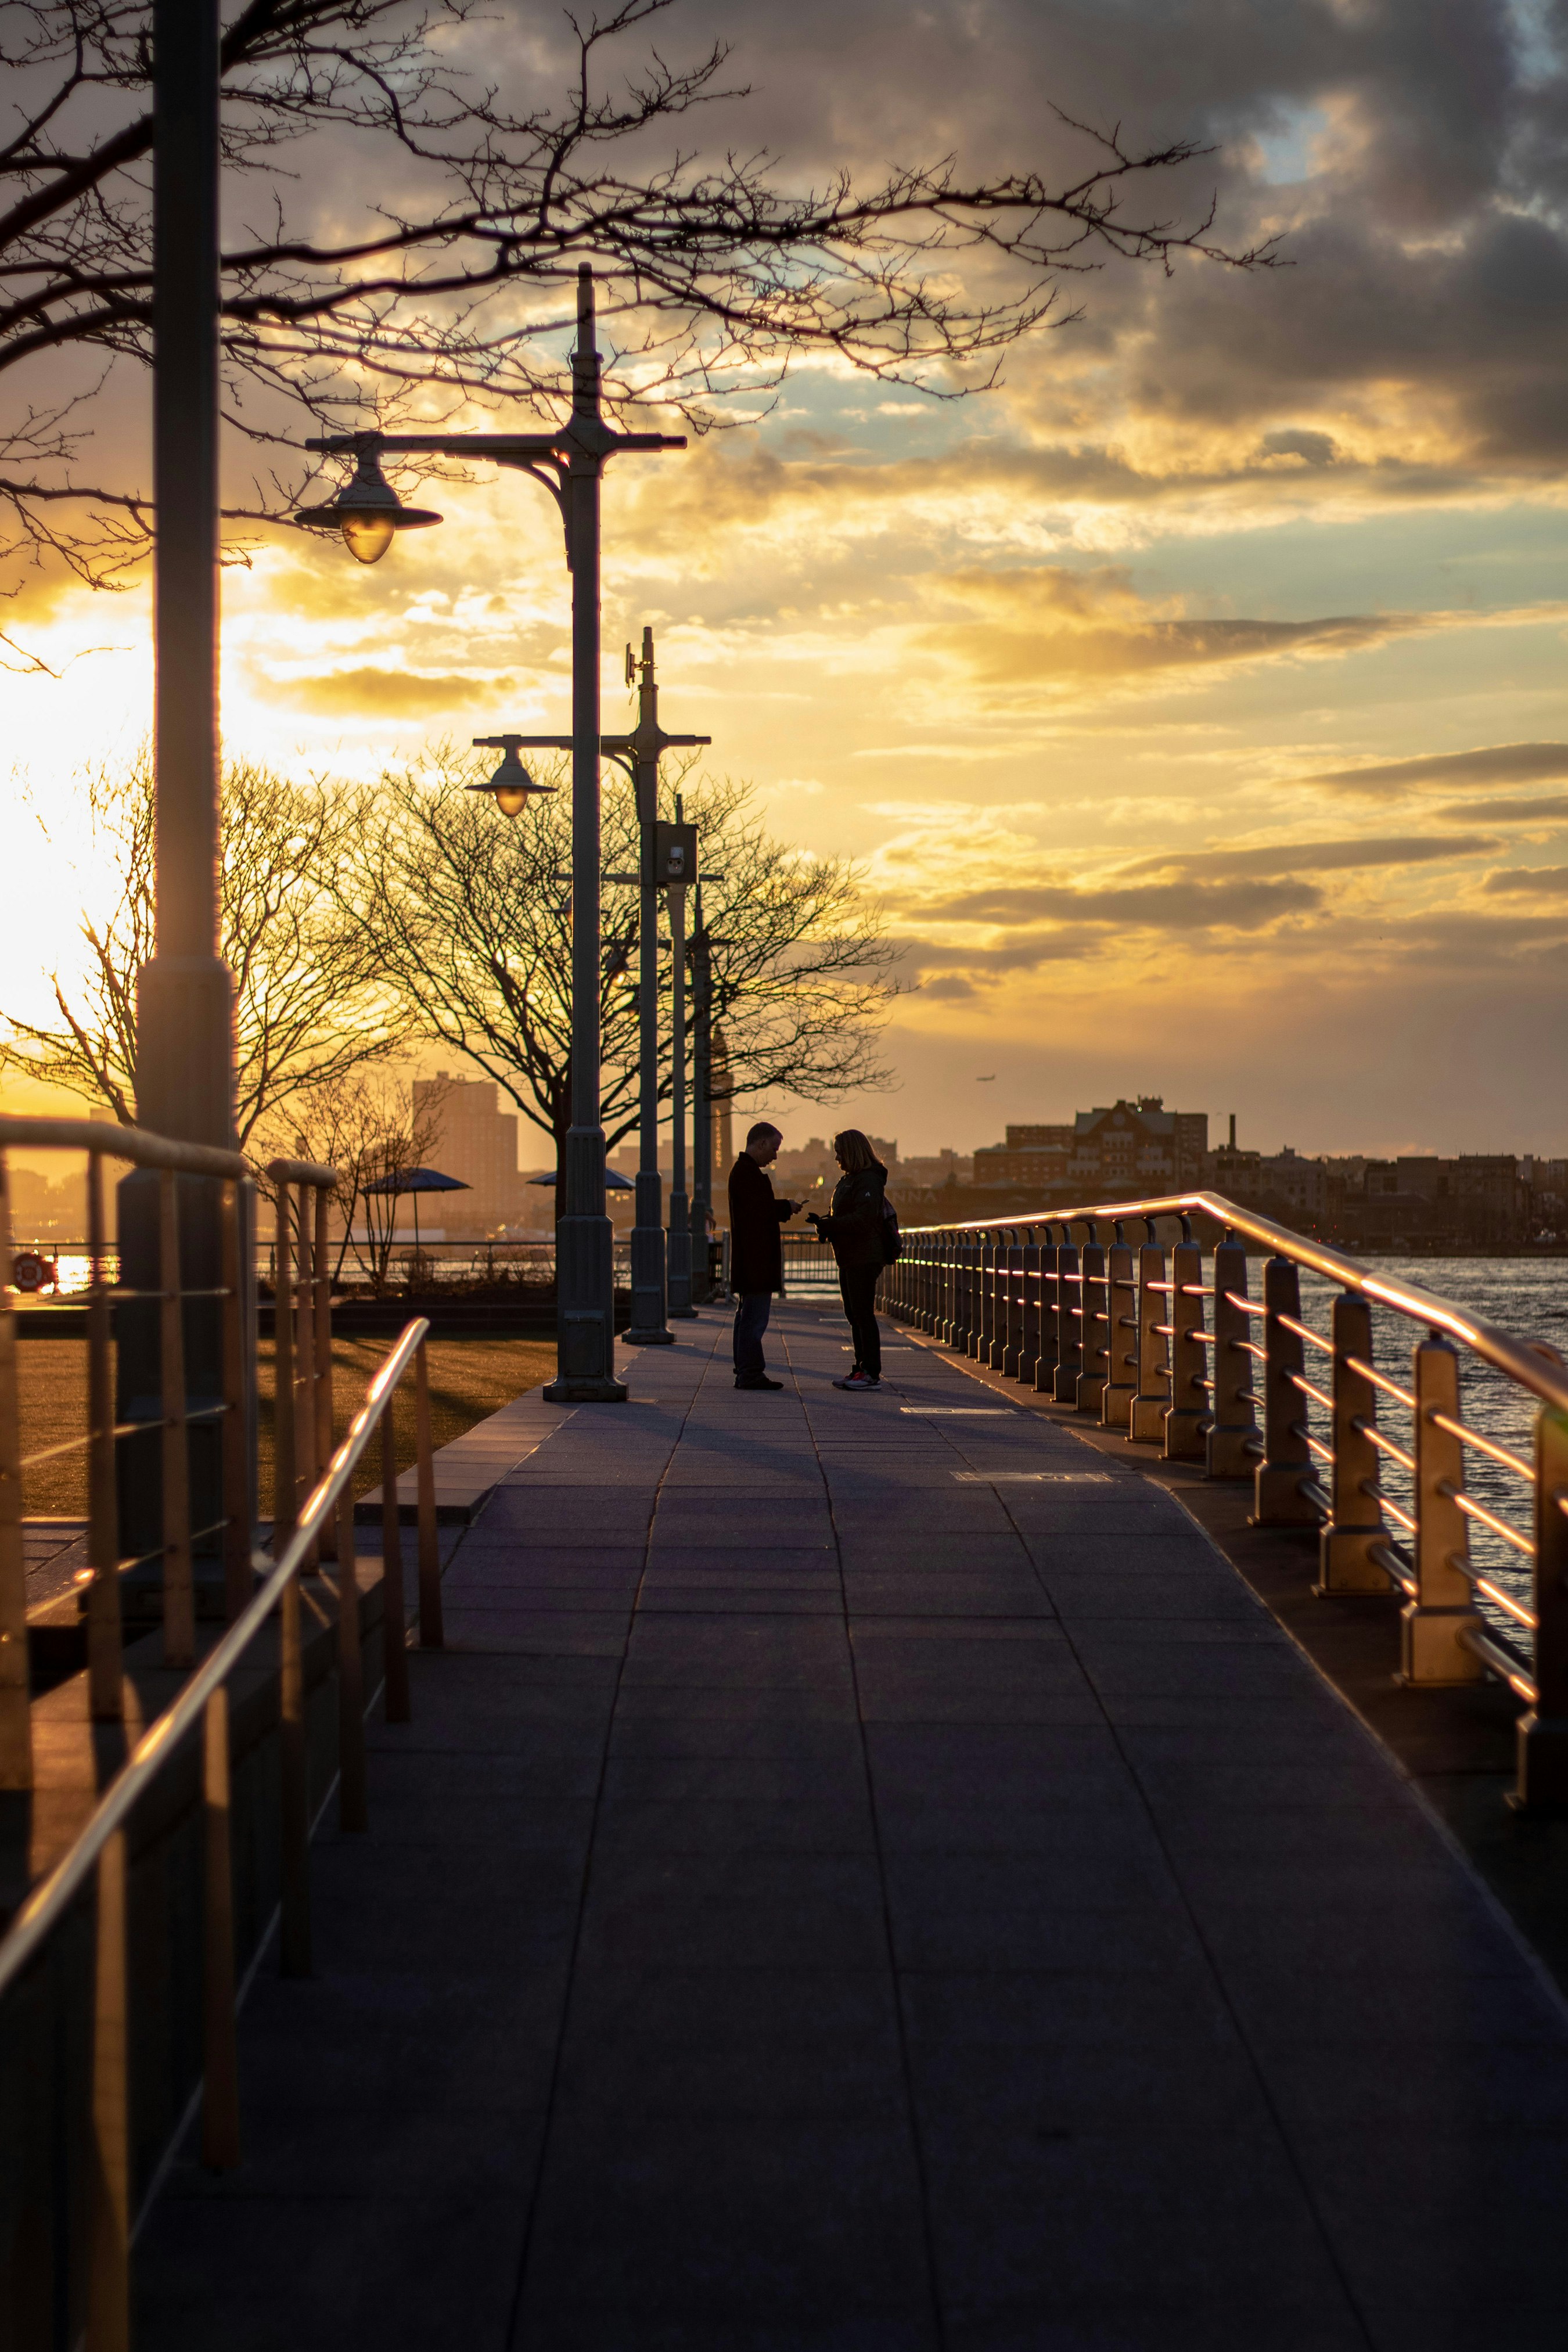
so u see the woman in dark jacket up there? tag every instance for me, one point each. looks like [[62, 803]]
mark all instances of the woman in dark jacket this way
[[855, 1227]]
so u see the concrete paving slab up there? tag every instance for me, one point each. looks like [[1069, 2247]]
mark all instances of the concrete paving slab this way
[[867, 1902]]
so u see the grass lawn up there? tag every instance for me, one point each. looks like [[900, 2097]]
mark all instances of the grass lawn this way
[[468, 1380]]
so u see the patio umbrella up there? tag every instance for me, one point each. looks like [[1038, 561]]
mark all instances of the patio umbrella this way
[[417, 1180], [613, 1182]]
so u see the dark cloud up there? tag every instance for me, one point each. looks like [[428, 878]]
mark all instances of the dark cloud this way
[[1537, 881], [1500, 763], [1503, 812], [1168, 905], [1319, 857]]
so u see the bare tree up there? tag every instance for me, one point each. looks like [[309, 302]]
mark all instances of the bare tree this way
[[452, 278], [310, 1008], [368, 1125], [471, 924]]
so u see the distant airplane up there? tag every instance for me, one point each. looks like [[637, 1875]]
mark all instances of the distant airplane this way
[[988, 1079]]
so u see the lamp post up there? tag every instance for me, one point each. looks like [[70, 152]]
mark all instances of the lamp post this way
[[570, 462], [702, 1105], [185, 992], [680, 1261], [638, 754]]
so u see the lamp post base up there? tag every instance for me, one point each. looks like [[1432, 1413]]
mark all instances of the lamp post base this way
[[678, 1261], [647, 1327], [585, 1314]]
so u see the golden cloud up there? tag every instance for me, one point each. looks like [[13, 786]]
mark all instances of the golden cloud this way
[[1047, 625]]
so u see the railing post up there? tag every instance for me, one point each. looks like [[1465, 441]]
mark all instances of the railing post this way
[[1093, 1326], [1120, 1335], [1541, 1733], [294, 1761], [985, 1301], [968, 1286], [1444, 1604], [105, 1637], [394, 1613], [431, 1634], [352, 1810], [1186, 1417], [326, 1546], [305, 1360], [1146, 1413], [238, 1576], [15, 1701], [179, 1582], [109, 2251], [220, 2062], [1029, 1319], [1232, 1444], [1356, 1529], [1050, 1296], [1285, 1464], [1008, 1348], [284, 1485], [1069, 1328]]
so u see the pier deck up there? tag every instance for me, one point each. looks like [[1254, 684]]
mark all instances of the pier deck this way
[[866, 1873]]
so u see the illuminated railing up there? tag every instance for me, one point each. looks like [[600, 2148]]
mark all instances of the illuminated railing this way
[[1173, 1350]]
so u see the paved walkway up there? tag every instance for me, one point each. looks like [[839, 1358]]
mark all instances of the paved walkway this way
[[867, 1875]]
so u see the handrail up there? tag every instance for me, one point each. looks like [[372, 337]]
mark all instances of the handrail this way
[[136, 1144], [52, 1896], [1533, 1364], [999, 1289]]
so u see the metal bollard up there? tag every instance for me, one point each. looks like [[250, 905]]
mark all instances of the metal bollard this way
[[1121, 1332], [1286, 1463], [1232, 1445], [1069, 1351], [1430, 1649], [1048, 1354], [1186, 1416], [1092, 1295], [1356, 1529], [1541, 1735], [1147, 1409]]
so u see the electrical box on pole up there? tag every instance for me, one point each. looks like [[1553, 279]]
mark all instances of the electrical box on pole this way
[[674, 853]]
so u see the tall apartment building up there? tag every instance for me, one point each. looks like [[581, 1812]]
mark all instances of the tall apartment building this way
[[478, 1144]]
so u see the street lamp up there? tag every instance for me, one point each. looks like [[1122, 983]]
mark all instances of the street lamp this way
[[512, 786], [570, 462], [638, 754], [368, 510]]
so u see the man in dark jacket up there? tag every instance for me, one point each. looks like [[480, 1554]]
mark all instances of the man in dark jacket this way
[[756, 1254]]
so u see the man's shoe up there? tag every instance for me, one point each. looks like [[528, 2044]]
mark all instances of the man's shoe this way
[[761, 1381], [856, 1380]]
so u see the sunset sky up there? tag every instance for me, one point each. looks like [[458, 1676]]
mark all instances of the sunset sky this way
[[1196, 700]]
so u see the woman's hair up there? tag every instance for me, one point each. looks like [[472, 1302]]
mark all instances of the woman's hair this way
[[854, 1151]]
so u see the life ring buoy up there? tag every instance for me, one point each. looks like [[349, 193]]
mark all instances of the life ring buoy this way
[[29, 1271]]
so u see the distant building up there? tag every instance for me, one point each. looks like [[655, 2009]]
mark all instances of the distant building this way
[[478, 1143], [1279, 1183], [1121, 1151]]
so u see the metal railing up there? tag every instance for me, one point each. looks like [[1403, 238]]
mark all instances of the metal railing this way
[[1143, 1343], [97, 1862]]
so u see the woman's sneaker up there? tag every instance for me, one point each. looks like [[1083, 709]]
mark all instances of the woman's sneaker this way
[[856, 1380]]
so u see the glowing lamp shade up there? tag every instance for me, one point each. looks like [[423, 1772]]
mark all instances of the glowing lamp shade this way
[[367, 511], [511, 787], [367, 535]]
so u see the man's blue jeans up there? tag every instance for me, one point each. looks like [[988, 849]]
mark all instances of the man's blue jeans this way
[[752, 1312]]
